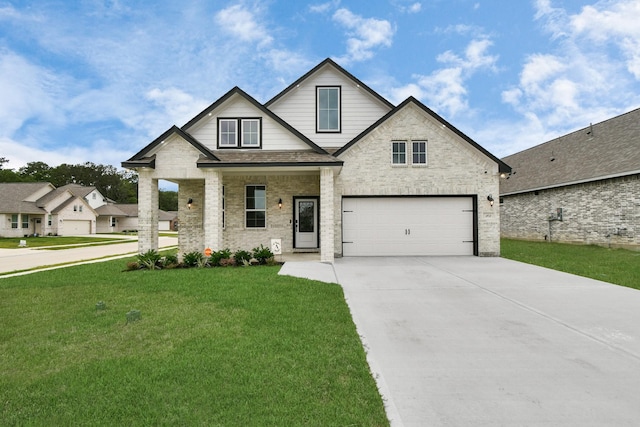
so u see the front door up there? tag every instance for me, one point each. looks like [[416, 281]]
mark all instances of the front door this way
[[306, 223]]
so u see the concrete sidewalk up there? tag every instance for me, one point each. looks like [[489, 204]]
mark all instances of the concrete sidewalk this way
[[468, 341], [37, 258]]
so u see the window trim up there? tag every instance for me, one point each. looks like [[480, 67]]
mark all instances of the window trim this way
[[393, 153], [25, 220], [413, 152], [244, 120], [232, 120], [239, 134], [15, 221], [339, 128], [247, 210]]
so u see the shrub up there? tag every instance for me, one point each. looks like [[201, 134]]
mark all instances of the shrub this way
[[242, 257], [133, 265], [170, 261], [192, 259], [217, 256], [227, 262], [149, 260], [262, 254]]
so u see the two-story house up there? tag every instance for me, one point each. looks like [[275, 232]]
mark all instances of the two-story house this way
[[326, 165]]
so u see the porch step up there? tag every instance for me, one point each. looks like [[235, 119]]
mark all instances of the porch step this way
[[307, 251]]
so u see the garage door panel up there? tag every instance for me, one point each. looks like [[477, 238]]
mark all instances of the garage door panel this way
[[408, 226]]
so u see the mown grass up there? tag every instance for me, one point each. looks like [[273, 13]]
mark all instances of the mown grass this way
[[224, 346], [37, 242], [618, 266]]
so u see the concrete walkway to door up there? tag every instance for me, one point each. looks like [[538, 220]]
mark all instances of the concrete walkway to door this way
[[467, 341]]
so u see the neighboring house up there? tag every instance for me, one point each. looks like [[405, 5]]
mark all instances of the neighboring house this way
[[42, 209], [120, 217], [327, 165], [583, 187]]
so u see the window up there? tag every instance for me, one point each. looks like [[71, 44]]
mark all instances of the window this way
[[25, 221], [113, 221], [399, 153], [245, 130], [14, 221], [75, 208], [80, 208], [256, 206], [228, 132], [250, 132], [49, 220], [93, 196], [419, 152], [328, 109]]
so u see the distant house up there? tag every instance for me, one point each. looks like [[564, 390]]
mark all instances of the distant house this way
[[42, 209], [583, 187]]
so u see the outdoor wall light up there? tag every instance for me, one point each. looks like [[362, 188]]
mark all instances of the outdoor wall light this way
[[189, 203], [490, 199], [280, 203]]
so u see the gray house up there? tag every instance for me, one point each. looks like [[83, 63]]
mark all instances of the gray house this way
[[583, 187]]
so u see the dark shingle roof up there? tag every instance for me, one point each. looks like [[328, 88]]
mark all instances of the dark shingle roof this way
[[603, 150]]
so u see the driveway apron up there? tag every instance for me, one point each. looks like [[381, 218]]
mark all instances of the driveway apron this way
[[468, 341]]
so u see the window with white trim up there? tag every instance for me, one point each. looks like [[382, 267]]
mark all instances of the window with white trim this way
[[419, 152], [227, 133], [399, 152], [113, 221], [25, 221], [14, 221], [49, 220], [250, 132], [255, 206], [328, 109]]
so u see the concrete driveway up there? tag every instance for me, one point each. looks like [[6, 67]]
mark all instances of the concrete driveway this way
[[467, 341]]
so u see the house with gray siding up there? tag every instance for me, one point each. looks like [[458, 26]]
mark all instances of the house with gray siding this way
[[327, 165], [583, 187]]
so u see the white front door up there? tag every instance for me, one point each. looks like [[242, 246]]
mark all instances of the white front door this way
[[306, 223]]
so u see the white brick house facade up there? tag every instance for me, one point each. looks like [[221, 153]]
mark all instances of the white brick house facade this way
[[248, 173]]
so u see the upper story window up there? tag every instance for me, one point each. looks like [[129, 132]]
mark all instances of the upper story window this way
[[227, 133], [328, 109], [239, 133], [399, 152], [419, 152]]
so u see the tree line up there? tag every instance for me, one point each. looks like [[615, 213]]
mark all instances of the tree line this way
[[119, 186]]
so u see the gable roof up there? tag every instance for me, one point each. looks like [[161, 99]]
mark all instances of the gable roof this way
[[140, 159], [78, 190], [502, 166], [237, 91], [604, 150], [332, 63], [14, 194]]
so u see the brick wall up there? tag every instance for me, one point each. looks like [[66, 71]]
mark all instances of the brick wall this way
[[453, 167], [604, 212]]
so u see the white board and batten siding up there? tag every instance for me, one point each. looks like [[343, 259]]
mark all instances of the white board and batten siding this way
[[359, 109], [274, 136], [407, 226]]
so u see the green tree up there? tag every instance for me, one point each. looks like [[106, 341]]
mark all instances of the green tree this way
[[36, 171], [168, 200], [8, 175]]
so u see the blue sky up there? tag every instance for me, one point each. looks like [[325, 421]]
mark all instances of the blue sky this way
[[97, 80]]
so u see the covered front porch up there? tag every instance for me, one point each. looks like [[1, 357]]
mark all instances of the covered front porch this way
[[245, 208]]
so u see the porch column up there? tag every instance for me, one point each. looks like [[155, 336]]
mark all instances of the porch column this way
[[212, 215], [147, 212], [327, 222]]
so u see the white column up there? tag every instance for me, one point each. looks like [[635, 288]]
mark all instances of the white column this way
[[147, 212], [212, 215], [327, 222]]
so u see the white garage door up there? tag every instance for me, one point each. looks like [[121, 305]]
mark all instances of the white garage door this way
[[76, 227], [402, 226]]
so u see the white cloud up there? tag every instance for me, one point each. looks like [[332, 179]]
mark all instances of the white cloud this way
[[365, 35], [445, 89], [415, 8], [242, 23], [324, 7], [592, 71]]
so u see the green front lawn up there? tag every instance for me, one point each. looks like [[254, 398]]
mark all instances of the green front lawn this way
[[618, 266], [37, 242], [223, 346]]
